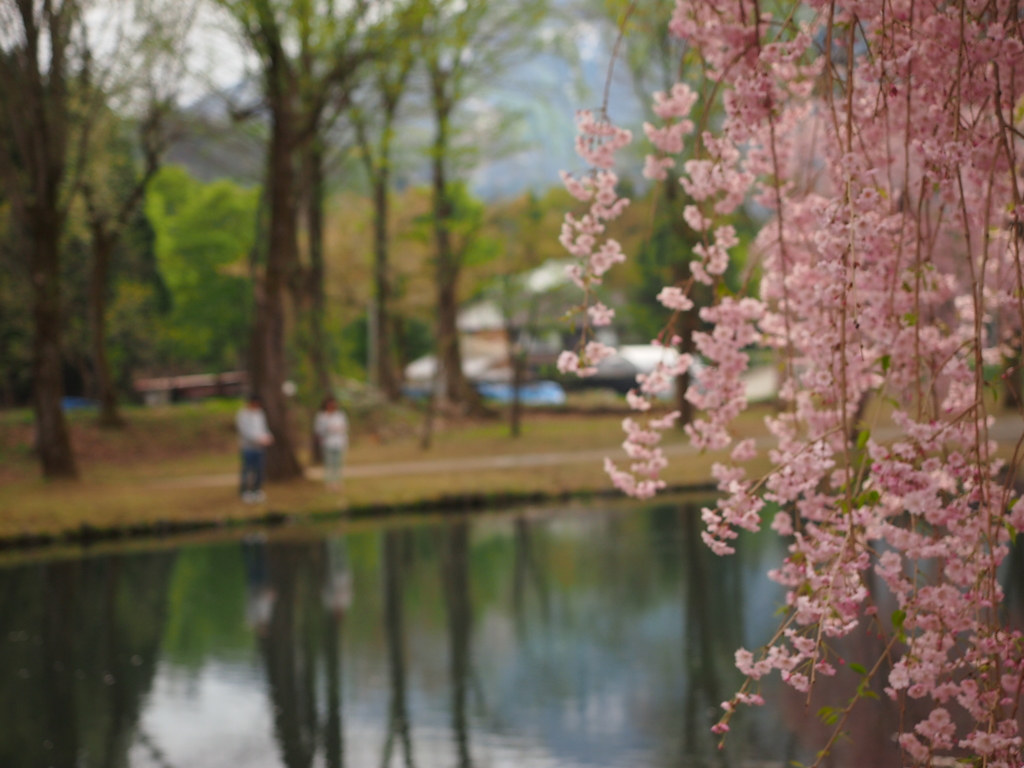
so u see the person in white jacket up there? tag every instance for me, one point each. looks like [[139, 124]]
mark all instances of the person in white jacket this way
[[253, 439], [331, 427]]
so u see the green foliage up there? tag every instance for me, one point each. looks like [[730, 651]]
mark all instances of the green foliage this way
[[15, 321], [466, 225], [662, 260], [897, 619], [414, 339], [204, 235], [355, 347], [656, 264], [131, 325], [138, 302], [202, 621]]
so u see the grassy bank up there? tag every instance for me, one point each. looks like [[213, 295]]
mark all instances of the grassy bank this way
[[174, 465]]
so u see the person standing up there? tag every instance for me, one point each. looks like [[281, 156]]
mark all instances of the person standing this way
[[331, 427], [253, 438]]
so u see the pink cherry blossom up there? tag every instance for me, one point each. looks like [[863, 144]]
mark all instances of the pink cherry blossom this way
[[600, 314], [890, 268], [674, 298]]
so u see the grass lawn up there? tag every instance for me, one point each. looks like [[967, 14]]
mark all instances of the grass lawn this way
[[176, 464], [154, 470]]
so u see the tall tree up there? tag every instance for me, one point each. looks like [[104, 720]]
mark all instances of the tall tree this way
[[146, 80], [374, 121], [654, 60], [519, 225], [37, 65], [308, 282], [305, 52], [464, 47], [109, 213]]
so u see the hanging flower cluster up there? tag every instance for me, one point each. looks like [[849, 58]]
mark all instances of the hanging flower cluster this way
[[882, 138]]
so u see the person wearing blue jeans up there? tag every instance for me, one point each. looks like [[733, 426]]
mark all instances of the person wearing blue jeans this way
[[253, 438]]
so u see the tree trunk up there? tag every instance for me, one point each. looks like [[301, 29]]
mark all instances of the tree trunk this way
[[455, 384], [689, 320], [105, 391], [431, 407], [516, 358], [34, 121], [52, 441], [457, 388], [387, 377], [684, 406], [1013, 399], [269, 364], [317, 298], [310, 300]]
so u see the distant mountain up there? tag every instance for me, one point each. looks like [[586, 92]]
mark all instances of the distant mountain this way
[[543, 93], [213, 145], [547, 92]]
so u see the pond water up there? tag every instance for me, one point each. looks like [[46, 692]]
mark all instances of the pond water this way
[[555, 638]]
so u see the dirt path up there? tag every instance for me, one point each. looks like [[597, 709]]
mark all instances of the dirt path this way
[[1006, 431]]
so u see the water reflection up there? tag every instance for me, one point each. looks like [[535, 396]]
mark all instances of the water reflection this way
[[81, 642], [337, 597], [703, 641], [567, 638], [395, 549], [289, 648], [459, 610]]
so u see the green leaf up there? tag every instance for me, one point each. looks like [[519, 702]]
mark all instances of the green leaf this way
[[868, 498], [897, 623], [862, 439], [858, 668], [886, 361], [910, 318]]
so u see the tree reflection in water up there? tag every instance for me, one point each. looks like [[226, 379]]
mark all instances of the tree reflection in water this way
[[81, 640], [337, 599], [528, 566], [311, 588], [595, 638], [703, 644], [455, 586], [392, 565]]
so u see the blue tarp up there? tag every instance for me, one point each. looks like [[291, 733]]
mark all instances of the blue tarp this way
[[76, 403], [534, 393]]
